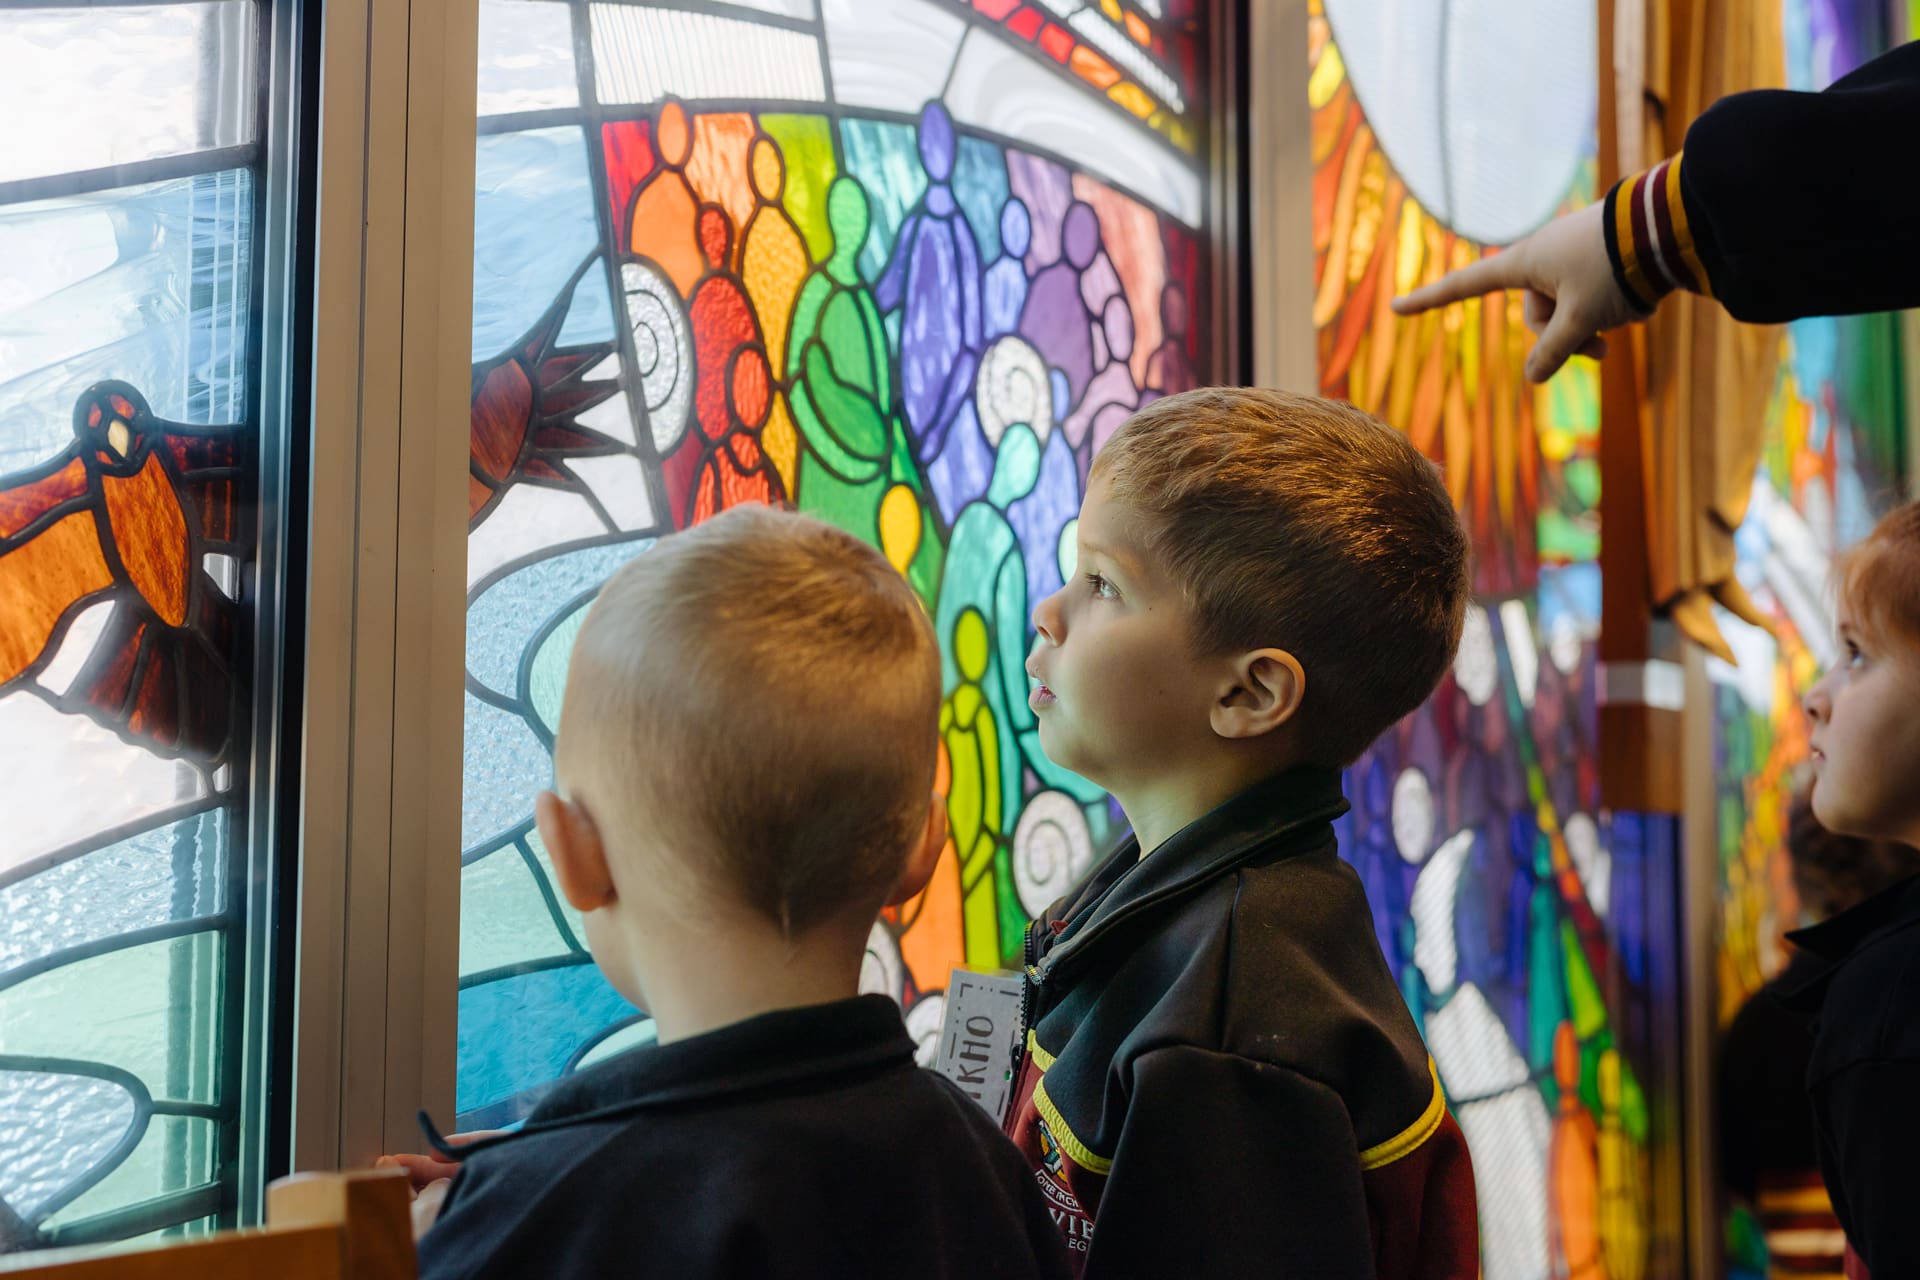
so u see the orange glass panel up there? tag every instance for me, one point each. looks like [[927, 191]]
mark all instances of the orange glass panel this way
[[1093, 68], [22, 505], [150, 533], [40, 580]]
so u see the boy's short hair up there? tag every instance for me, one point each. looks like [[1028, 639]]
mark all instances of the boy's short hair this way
[[1880, 578], [761, 696], [1303, 524]]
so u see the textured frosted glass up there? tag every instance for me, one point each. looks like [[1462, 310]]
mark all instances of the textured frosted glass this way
[[176, 1152], [526, 57], [169, 873], [503, 619], [131, 1009], [92, 87], [505, 767], [47, 757], [644, 55], [54, 1128], [148, 284]]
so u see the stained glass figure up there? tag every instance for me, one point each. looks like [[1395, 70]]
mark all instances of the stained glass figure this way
[[934, 279], [830, 303], [129, 513], [129, 469], [732, 389]]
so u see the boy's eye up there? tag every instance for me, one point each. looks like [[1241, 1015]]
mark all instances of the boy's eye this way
[[1854, 656], [1102, 589]]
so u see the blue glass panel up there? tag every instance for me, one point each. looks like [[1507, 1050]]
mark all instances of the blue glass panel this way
[[532, 228], [886, 160], [590, 319], [519, 1032], [980, 185]]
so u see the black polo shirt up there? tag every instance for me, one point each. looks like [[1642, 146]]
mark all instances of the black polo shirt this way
[[796, 1144], [1864, 1076]]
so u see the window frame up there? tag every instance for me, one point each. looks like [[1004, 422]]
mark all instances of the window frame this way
[[376, 922]]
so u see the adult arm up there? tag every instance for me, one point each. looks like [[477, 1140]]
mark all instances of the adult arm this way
[[1781, 205]]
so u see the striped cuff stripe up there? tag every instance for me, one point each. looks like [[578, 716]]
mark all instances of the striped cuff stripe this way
[[1648, 238]]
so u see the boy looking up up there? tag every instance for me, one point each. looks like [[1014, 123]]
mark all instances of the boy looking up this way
[[1220, 1077], [745, 770]]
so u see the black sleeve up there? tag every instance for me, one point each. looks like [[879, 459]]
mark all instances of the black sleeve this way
[[1872, 1134], [1228, 1167], [1803, 204]]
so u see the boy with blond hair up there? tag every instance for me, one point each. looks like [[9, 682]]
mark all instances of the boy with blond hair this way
[[744, 777], [1219, 1075]]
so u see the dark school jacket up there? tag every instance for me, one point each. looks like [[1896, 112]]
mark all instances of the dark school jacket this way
[[1864, 1077], [801, 1143], [1220, 1077], [1784, 204]]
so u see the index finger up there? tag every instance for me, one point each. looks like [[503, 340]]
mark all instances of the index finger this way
[[1501, 271]]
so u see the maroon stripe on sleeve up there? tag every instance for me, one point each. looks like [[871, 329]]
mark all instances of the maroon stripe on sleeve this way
[[1672, 261]]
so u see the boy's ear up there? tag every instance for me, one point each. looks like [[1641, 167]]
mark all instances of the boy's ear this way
[[1262, 692], [925, 857], [579, 858]]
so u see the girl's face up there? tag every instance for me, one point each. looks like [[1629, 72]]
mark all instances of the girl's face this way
[[1865, 715]]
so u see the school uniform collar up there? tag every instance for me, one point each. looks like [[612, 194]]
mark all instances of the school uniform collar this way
[[1838, 938], [784, 1051], [1284, 815]]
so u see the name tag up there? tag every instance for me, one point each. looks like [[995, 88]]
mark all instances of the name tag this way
[[976, 1043]]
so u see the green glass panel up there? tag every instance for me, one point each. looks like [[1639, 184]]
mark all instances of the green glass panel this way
[[807, 144], [547, 678], [1583, 992], [1633, 1105], [503, 917], [175, 1153], [1546, 982], [538, 849], [149, 1010]]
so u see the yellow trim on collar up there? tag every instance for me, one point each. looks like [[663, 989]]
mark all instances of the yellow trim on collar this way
[[1409, 1140], [1041, 1057], [1064, 1138]]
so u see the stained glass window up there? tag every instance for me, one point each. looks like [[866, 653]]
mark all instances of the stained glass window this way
[[129, 437], [902, 263], [1834, 461], [1520, 918]]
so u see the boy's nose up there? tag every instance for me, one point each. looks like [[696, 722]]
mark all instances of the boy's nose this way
[[1818, 701], [1048, 619]]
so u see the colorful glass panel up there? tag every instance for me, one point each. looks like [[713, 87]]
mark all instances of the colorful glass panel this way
[[128, 449], [836, 293], [1522, 920], [1835, 460]]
